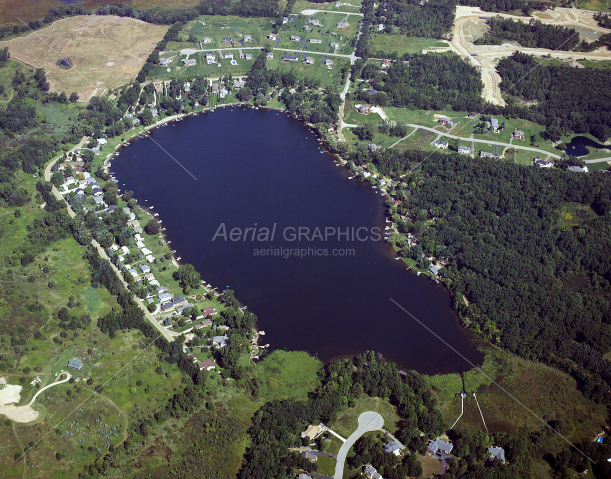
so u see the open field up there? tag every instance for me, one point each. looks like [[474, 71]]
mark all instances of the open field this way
[[400, 44], [105, 51], [348, 6], [284, 375]]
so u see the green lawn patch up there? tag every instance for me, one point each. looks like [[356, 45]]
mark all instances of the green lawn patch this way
[[384, 42], [285, 374], [347, 420]]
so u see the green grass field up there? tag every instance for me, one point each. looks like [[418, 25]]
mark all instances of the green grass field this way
[[288, 374], [348, 6], [400, 44], [599, 5]]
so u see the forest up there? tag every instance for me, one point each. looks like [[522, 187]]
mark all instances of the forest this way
[[569, 99], [535, 284], [430, 19], [433, 81], [533, 34]]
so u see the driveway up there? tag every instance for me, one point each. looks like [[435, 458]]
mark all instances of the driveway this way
[[368, 421]]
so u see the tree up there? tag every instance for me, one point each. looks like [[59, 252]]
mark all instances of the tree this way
[[187, 277], [152, 227], [146, 117], [192, 39], [57, 178], [73, 97], [4, 56]]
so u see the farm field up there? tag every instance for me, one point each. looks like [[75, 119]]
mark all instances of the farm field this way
[[105, 52]]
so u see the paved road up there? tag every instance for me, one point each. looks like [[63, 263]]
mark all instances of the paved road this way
[[368, 421], [316, 53], [598, 160]]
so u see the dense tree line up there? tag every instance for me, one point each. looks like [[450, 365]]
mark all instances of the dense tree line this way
[[532, 34], [570, 99], [276, 426], [604, 20], [416, 19], [508, 253], [506, 5], [430, 82]]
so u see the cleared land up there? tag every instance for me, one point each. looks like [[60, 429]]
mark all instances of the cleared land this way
[[469, 25], [105, 52]]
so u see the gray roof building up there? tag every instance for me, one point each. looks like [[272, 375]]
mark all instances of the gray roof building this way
[[497, 453], [75, 363], [439, 445]]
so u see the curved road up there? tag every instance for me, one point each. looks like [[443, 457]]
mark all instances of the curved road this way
[[368, 421], [50, 386]]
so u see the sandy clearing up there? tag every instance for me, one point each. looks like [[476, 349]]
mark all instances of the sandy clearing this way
[[105, 51], [485, 57], [379, 111], [10, 394]]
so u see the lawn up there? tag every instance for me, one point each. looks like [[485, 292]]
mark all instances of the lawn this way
[[383, 42], [348, 6], [347, 420], [430, 467], [418, 141], [599, 5]]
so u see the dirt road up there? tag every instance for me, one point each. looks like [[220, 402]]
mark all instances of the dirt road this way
[[486, 57]]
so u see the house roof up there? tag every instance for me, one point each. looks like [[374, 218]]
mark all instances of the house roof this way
[[75, 363], [437, 444], [208, 363], [309, 455], [498, 453], [391, 447]]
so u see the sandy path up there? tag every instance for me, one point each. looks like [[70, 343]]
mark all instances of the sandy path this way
[[486, 57]]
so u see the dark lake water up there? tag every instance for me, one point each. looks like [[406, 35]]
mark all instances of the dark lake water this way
[[580, 144], [257, 169]]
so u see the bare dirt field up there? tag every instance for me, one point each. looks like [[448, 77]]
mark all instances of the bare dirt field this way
[[469, 23], [105, 52], [10, 394]]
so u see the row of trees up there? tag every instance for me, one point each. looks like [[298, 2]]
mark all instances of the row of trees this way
[[532, 34]]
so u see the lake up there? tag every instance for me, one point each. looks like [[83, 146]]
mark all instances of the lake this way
[[578, 146], [259, 169]]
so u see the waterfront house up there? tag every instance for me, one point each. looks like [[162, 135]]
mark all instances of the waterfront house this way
[[208, 312], [435, 268], [238, 84], [98, 200], [223, 92], [215, 89]]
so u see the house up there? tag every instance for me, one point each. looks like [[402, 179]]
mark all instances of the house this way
[[494, 123], [269, 56], [189, 62], [543, 163], [186, 87], [314, 21], [374, 147], [179, 301], [226, 40], [437, 445], [145, 269], [372, 473], [309, 60], [435, 268], [98, 200], [164, 62], [111, 208], [150, 258], [70, 180], [75, 363], [392, 448], [485, 154], [210, 57], [125, 249], [334, 45], [315, 40], [227, 55], [290, 58], [220, 341], [338, 4], [307, 28], [215, 89], [247, 38], [140, 244], [295, 38], [208, 365], [312, 432], [203, 324], [161, 289], [446, 122], [207, 40], [208, 312], [364, 109], [344, 23], [309, 455], [518, 134], [271, 36], [223, 92], [380, 27], [327, 62], [440, 144], [96, 191], [238, 84], [154, 112], [145, 251], [497, 453], [284, 20], [385, 64], [303, 476], [248, 56], [102, 141], [164, 297], [581, 169], [465, 150]]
